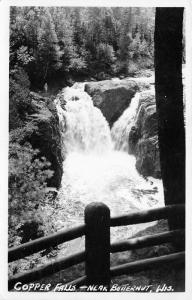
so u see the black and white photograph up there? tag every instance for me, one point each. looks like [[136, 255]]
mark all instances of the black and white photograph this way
[[96, 144]]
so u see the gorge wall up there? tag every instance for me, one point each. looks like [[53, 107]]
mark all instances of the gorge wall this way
[[143, 137]]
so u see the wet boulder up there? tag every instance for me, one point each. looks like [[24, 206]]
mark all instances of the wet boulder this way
[[112, 97]]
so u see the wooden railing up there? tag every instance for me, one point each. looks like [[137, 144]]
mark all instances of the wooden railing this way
[[98, 248]]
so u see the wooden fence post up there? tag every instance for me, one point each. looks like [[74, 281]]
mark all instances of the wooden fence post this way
[[97, 244]]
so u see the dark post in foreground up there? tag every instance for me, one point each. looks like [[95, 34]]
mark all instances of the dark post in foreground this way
[[97, 244], [169, 100]]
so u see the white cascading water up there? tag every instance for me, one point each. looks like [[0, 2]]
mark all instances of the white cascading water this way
[[83, 126], [93, 170], [97, 167], [121, 128]]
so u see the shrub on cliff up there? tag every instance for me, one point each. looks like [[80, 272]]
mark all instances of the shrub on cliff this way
[[19, 97], [27, 192]]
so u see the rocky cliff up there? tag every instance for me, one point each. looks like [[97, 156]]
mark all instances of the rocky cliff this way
[[143, 138]]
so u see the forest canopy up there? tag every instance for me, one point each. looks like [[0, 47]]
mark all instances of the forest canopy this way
[[55, 42]]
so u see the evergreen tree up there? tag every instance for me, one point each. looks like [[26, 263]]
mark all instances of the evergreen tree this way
[[65, 41], [49, 54]]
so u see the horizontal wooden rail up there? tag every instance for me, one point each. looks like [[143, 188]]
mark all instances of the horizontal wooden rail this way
[[98, 248], [149, 215], [45, 242], [149, 240], [48, 269], [147, 264]]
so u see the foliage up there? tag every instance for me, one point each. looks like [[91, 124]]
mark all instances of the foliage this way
[[48, 41], [19, 98], [27, 188], [105, 58], [20, 134]]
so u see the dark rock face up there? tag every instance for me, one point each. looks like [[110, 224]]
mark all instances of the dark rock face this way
[[143, 138], [47, 137], [112, 97]]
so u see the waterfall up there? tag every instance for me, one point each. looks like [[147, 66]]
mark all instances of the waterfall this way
[[95, 168], [121, 128], [83, 126]]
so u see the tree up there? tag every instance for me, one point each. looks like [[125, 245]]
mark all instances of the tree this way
[[27, 189], [169, 100], [49, 53], [50, 43], [105, 58], [126, 34], [19, 98]]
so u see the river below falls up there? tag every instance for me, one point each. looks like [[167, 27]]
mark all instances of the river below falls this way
[[111, 179]]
